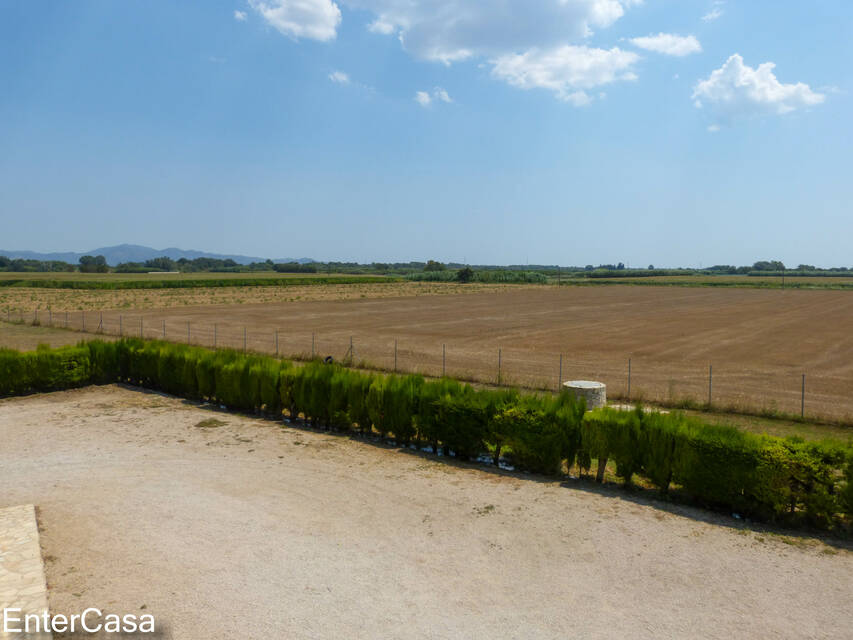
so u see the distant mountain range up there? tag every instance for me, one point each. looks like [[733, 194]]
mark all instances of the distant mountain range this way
[[137, 253]]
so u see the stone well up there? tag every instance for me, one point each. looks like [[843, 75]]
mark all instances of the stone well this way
[[595, 393]]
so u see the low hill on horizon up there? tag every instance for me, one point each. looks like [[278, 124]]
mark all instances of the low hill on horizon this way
[[137, 253]]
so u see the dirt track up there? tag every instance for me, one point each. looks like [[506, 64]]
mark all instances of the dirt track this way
[[759, 342], [251, 530]]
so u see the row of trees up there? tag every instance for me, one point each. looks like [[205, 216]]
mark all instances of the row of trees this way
[[785, 480]]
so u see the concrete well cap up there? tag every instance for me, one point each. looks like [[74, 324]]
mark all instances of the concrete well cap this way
[[584, 384]]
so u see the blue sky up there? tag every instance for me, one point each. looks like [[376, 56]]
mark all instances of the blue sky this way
[[570, 132]]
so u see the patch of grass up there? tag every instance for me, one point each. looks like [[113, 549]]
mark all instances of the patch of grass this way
[[210, 423]]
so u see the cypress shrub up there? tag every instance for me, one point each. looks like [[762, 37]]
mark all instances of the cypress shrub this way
[[302, 392], [357, 409], [14, 378], [170, 369], [319, 391], [103, 361], [594, 441], [189, 378], [269, 386], [401, 401], [622, 432], [567, 413], [206, 366], [497, 435], [428, 423], [339, 397], [63, 368], [250, 384], [287, 379], [228, 376], [658, 441], [43, 370], [376, 405], [716, 465], [463, 420], [847, 490]]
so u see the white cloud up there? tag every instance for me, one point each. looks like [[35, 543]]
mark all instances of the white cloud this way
[[712, 15], [312, 19], [669, 44], [568, 71], [240, 16], [425, 99], [715, 12], [737, 90], [451, 30], [441, 94], [527, 44], [339, 77], [377, 26]]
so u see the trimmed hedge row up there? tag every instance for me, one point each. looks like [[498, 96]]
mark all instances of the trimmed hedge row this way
[[782, 480]]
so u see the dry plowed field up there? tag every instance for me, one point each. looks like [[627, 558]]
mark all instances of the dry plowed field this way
[[759, 342]]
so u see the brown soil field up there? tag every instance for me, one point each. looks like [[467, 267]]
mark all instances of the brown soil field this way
[[23, 302], [759, 341], [228, 526]]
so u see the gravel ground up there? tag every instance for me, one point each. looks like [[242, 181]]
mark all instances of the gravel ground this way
[[229, 526]]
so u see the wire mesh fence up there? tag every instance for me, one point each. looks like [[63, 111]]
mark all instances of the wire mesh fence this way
[[767, 390]]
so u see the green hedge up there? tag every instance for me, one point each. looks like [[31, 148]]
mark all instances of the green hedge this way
[[781, 480]]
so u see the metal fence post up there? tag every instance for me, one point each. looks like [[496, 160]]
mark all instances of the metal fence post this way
[[66, 319], [188, 331], [312, 345], [803, 398], [83, 315], [629, 378], [710, 382], [214, 335], [499, 366], [141, 332], [560, 376], [443, 360], [245, 338], [276, 342], [395, 356], [120, 325]]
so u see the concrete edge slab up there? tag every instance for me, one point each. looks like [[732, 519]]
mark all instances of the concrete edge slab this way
[[22, 581]]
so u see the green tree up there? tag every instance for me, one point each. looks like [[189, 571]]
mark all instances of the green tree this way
[[433, 265], [466, 274], [93, 264]]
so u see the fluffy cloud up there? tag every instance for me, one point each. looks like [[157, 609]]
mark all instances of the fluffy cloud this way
[[568, 71], [715, 12], [313, 19], [451, 30], [240, 16], [736, 90], [669, 44], [339, 77], [528, 44], [425, 99]]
